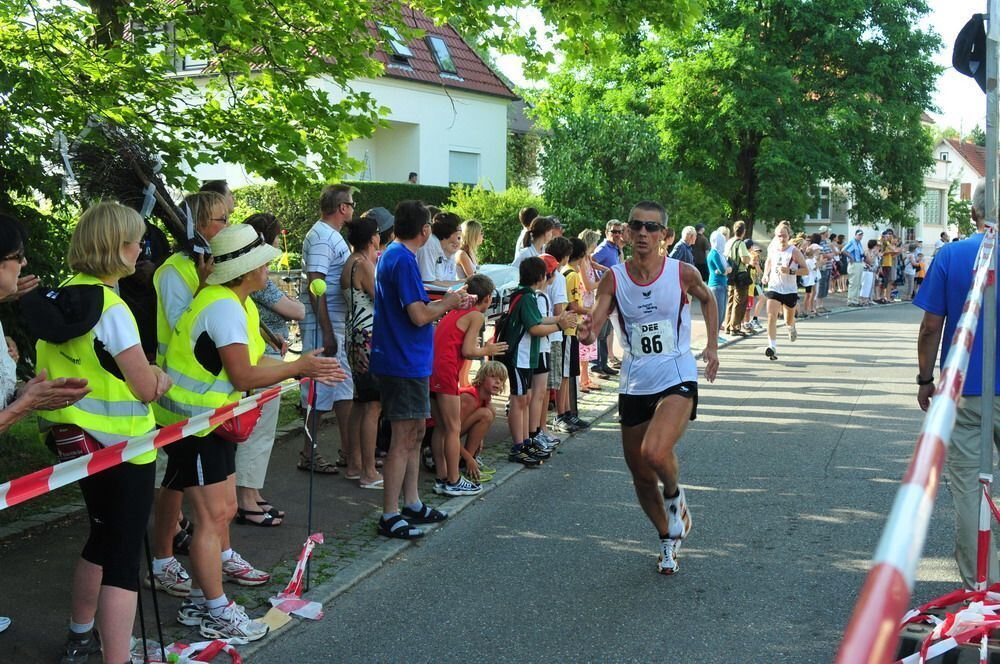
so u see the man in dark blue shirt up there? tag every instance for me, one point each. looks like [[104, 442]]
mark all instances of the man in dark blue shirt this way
[[942, 297], [401, 360], [682, 250]]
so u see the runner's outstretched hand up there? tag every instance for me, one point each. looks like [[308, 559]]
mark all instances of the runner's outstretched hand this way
[[711, 358]]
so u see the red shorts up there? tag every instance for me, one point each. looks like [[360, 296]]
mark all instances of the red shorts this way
[[444, 380]]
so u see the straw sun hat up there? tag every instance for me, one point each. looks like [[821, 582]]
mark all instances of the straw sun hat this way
[[239, 249]]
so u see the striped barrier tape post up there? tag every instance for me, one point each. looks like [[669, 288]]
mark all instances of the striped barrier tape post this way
[[49, 479], [873, 630]]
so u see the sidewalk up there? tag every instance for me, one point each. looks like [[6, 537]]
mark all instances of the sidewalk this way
[[37, 556]]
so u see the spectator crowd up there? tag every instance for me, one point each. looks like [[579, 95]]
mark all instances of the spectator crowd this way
[[393, 316]]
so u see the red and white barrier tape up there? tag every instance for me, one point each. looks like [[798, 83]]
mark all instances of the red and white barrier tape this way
[[48, 479], [874, 627], [290, 599]]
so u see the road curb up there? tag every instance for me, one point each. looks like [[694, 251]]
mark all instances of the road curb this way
[[368, 564]]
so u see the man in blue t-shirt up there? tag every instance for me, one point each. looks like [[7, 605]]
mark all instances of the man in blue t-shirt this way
[[942, 297], [401, 359], [607, 254]]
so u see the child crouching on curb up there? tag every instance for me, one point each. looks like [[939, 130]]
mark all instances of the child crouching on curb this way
[[478, 415], [456, 339]]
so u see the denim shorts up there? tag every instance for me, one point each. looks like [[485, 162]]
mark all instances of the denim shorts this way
[[405, 398]]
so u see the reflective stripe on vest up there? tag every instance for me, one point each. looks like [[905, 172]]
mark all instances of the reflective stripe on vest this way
[[110, 408], [187, 270], [195, 389]]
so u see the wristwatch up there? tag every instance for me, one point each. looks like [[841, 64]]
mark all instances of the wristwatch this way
[[921, 382]]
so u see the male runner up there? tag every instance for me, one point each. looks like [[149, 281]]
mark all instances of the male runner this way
[[658, 393]]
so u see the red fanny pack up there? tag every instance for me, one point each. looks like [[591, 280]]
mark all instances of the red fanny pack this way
[[71, 442], [238, 429]]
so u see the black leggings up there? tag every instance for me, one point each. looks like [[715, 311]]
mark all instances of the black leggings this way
[[118, 502]]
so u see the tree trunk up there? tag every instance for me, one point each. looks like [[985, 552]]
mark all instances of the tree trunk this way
[[746, 172], [110, 27]]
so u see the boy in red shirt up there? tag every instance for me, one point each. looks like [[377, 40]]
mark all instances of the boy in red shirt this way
[[456, 339]]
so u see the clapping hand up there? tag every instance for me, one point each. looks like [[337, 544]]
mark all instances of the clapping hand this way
[[567, 320], [43, 394], [25, 284], [493, 349]]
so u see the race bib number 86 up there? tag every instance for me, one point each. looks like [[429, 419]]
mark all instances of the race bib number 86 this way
[[655, 338]]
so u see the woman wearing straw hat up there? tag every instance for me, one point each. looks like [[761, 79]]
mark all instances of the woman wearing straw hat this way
[[216, 354], [99, 340]]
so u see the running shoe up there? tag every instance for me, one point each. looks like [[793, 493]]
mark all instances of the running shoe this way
[[748, 328], [240, 571], [462, 488], [518, 454], [540, 443], [667, 561], [564, 424], [233, 623], [678, 515], [535, 450], [173, 580], [79, 647], [191, 614], [576, 421], [551, 441], [792, 333], [439, 486], [756, 325], [483, 468], [771, 353]]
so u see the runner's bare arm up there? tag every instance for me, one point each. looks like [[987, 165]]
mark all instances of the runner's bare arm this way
[[696, 288], [800, 260], [604, 303]]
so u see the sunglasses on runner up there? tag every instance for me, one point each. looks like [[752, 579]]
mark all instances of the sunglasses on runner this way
[[650, 226]]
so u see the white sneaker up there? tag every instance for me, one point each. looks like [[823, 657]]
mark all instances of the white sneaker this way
[[462, 488], [191, 614], [233, 623], [173, 580], [792, 333], [667, 561], [551, 441], [678, 516], [238, 570]]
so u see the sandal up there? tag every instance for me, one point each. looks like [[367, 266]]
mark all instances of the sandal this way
[[321, 466], [426, 514], [398, 528], [271, 509], [377, 484], [186, 525], [267, 520]]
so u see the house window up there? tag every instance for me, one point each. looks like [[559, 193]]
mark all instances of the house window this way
[[400, 51], [463, 167], [932, 207], [944, 156], [822, 197], [189, 63], [439, 48]]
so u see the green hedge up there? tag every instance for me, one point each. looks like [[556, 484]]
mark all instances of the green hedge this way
[[299, 212], [497, 211]]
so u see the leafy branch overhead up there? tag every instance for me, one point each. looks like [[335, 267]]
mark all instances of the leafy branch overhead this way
[[279, 98]]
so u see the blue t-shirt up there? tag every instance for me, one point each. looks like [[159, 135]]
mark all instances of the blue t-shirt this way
[[606, 254], [716, 269], [399, 348], [943, 293]]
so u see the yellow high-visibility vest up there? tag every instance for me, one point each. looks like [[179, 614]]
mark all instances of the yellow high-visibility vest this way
[[195, 389], [187, 270], [110, 408]]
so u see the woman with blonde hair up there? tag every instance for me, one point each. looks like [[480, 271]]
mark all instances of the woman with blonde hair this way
[[103, 347], [467, 259], [590, 276]]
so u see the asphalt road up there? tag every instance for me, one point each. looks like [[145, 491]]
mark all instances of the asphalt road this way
[[790, 469]]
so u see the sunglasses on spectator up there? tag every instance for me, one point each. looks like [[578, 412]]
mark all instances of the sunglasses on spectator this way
[[616, 231], [18, 256], [650, 226]]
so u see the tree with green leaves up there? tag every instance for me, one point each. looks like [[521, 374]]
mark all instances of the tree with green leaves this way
[[977, 135], [761, 100]]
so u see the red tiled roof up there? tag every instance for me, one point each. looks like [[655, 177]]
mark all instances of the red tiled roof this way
[[474, 75], [972, 153], [926, 119]]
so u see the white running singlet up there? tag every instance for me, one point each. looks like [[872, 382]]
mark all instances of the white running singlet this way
[[784, 284], [653, 322]]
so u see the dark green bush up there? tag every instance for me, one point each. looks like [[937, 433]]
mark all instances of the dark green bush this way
[[298, 212], [497, 211]]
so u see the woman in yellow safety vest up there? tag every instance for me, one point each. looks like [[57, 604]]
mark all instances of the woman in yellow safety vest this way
[[176, 282], [214, 356], [104, 248]]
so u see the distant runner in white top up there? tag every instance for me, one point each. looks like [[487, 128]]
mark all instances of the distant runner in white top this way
[[784, 263], [647, 296]]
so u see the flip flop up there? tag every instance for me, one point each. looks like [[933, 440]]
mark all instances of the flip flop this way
[[4, 623], [377, 484], [352, 477]]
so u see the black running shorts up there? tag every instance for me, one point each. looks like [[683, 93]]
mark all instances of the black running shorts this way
[[636, 409], [199, 461], [787, 299]]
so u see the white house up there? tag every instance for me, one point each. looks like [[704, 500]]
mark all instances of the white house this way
[[834, 203], [447, 118]]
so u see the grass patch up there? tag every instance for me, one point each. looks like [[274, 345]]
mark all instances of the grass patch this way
[[289, 411], [23, 453]]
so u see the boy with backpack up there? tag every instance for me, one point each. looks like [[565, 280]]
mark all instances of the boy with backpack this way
[[522, 329]]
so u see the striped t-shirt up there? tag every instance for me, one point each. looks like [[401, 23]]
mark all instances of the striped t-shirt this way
[[325, 251]]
